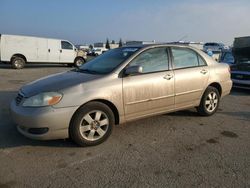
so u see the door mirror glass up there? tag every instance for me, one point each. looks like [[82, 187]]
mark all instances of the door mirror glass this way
[[133, 70]]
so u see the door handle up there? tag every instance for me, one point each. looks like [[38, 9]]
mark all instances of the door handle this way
[[48, 50], [203, 71], [60, 51], [168, 76]]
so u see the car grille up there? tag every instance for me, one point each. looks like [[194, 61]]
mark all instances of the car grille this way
[[19, 98], [240, 76]]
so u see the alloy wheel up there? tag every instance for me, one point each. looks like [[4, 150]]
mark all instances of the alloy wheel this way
[[94, 125], [211, 101]]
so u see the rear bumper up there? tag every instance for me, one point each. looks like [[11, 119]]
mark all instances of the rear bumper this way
[[46, 123], [244, 84]]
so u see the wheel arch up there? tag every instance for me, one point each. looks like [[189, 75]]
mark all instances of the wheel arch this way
[[106, 102], [18, 55], [79, 57], [217, 86]]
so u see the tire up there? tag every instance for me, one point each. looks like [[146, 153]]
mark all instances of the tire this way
[[209, 102], [79, 61], [92, 124], [17, 62]]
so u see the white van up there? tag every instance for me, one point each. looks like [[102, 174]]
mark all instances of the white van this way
[[19, 50]]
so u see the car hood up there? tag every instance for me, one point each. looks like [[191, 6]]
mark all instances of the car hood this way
[[57, 82]]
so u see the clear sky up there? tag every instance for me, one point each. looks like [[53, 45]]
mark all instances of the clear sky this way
[[82, 21]]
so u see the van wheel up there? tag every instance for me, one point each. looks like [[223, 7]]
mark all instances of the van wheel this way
[[92, 124], [79, 61], [209, 102], [17, 62]]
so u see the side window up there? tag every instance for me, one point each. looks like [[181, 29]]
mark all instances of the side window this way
[[152, 60], [183, 58], [66, 45], [201, 61]]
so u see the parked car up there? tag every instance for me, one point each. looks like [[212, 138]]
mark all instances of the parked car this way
[[214, 47], [227, 57], [98, 51], [240, 71], [19, 50], [122, 85]]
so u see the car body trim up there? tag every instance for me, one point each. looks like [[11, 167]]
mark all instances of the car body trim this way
[[187, 92], [151, 99]]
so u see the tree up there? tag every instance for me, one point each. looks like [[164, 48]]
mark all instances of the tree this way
[[113, 42], [91, 46], [120, 43], [107, 44]]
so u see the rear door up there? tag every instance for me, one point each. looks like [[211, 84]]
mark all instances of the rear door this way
[[191, 75], [67, 52], [152, 91], [53, 51], [42, 50]]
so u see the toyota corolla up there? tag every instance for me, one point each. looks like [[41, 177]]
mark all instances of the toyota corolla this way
[[122, 85]]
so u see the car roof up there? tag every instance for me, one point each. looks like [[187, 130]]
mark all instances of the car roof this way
[[156, 45]]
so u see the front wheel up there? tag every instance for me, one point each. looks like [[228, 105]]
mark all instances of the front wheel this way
[[209, 102], [92, 124], [79, 61]]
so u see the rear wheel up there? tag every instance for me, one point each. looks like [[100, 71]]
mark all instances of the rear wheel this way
[[92, 124], [209, 102], [79, 61], [17, 62]]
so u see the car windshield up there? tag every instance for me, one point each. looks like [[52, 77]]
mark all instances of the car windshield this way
[[108, 61], [228, 57]]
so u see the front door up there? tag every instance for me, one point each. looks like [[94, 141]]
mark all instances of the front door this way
[[152, 91], [67, 52], [191, 76]]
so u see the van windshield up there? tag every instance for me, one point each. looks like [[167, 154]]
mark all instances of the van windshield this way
[[108, 61]]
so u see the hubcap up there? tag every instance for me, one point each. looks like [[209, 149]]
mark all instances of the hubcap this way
[[211, 101], [18, 63], [79, 62], [94, 125]]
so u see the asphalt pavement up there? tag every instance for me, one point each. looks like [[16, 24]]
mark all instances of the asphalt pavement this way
[[179, 149]]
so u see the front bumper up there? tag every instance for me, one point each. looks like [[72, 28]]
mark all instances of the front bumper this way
[[54, 122]]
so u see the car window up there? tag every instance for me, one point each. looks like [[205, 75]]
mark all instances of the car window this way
[[152, 60], [183, 58], [201, 61], [66, 45], [228, 57]]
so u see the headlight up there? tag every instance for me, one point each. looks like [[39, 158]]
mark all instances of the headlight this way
[[43, 99]]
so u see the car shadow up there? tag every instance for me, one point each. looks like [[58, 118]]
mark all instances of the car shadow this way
[[189, 112], [10, 137]]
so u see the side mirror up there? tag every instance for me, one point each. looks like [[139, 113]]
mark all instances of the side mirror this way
[[133, 70]]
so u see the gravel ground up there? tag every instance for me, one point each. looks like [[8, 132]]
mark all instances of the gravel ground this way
[[179, 149]]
